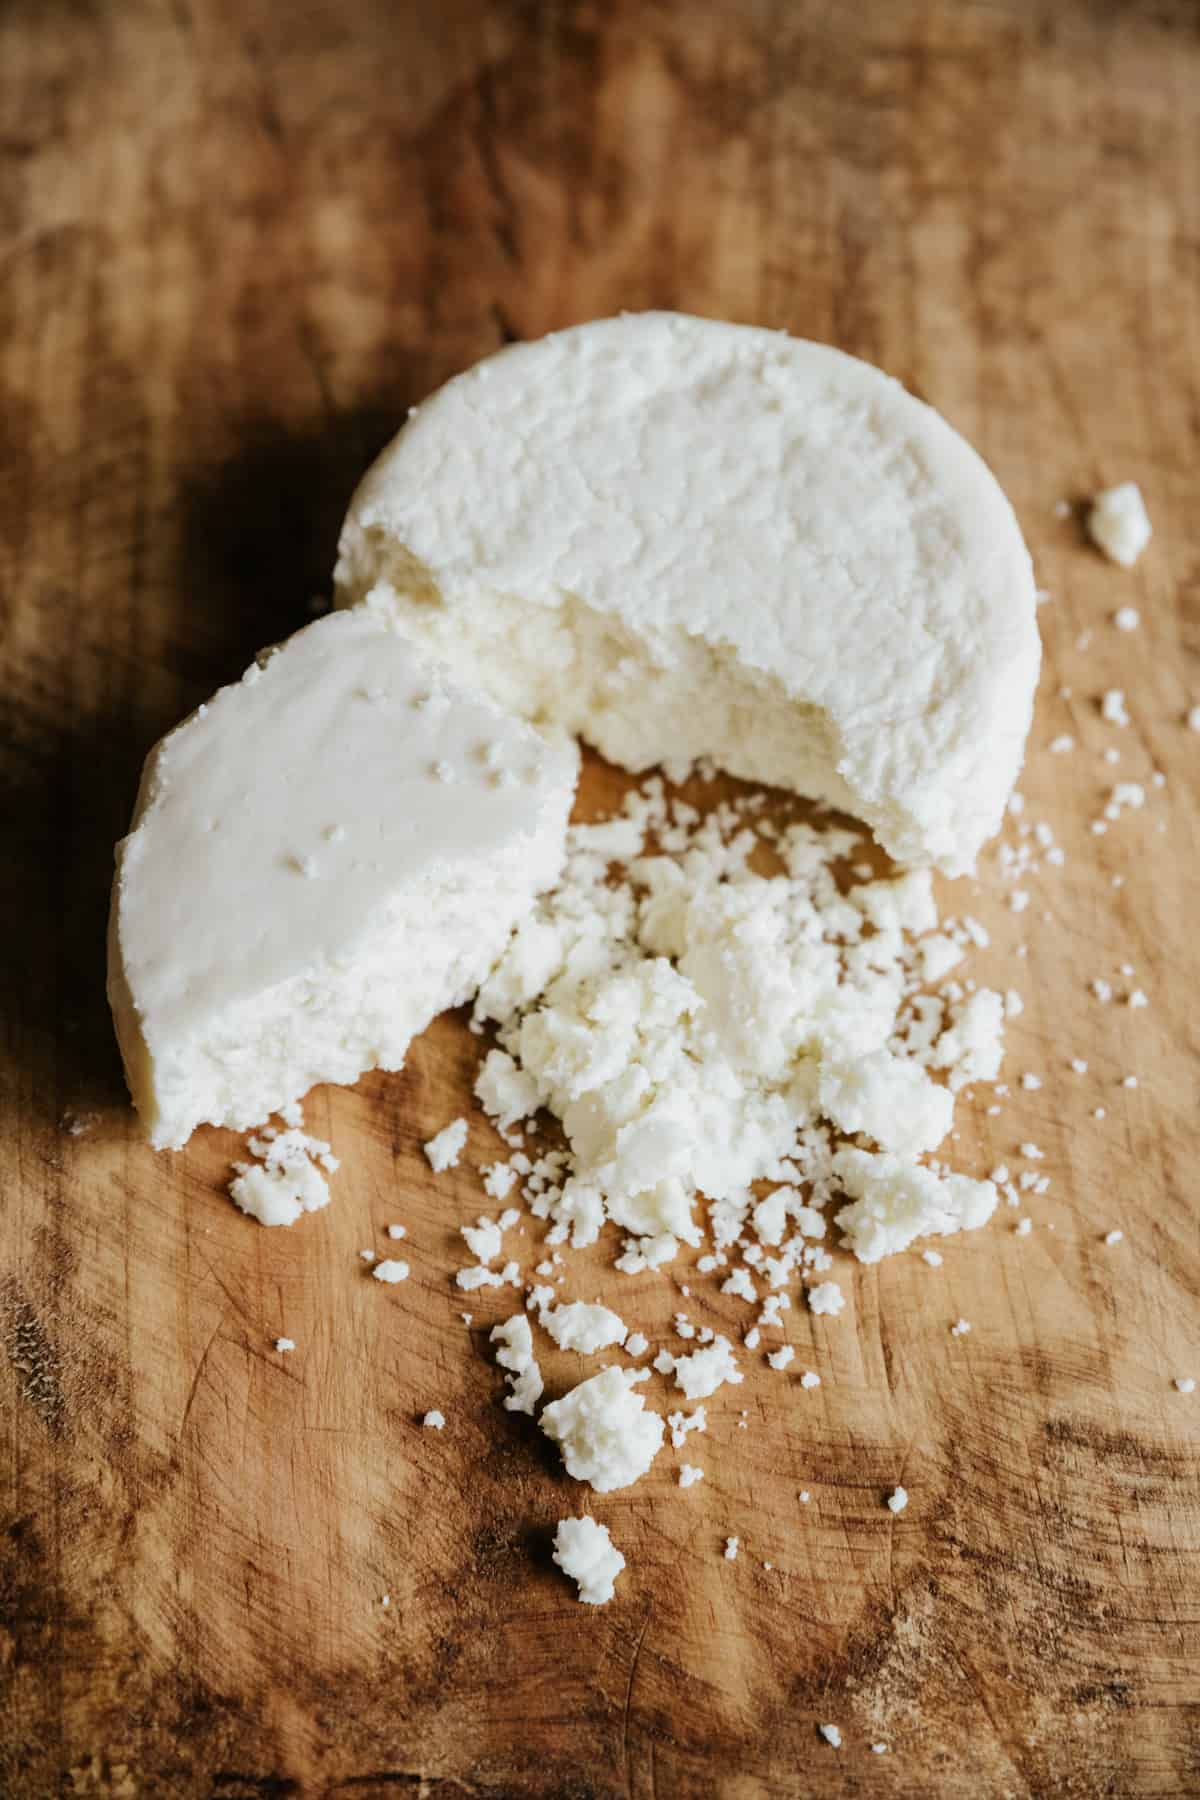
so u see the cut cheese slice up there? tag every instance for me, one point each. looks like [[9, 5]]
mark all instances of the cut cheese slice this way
[[683, 538], [321, 859]]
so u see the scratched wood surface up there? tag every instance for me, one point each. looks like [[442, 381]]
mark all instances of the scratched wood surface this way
[[239, 240]]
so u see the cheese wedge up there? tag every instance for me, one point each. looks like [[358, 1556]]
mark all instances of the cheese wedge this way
[[680, 538], [321, 859]]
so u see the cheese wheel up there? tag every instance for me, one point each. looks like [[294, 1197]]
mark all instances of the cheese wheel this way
[[680, 538]]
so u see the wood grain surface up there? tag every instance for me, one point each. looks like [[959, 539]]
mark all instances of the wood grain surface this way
[[239, 240]]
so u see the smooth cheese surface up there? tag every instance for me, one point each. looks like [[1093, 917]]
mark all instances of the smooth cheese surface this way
[[299, 823], [823, 582]]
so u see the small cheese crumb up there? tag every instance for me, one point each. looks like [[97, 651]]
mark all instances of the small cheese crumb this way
[[960, 1328], [1137, 998], [831, 1734], [1031, 1082], [1186, 1384], [898, 1500], [584, 1551], [390, 1269], [397, 1231], [1127, 618], [1024, 1227], [1079, 1066], [689, 1475], [434, 1420], [636, 1344], [1059, 746], [445, 1149], [1130, 1081], [933, 1257], [826, 1297], [1119, 523], [1112, 707], [878, 1749], [1193, 718], [1114, 1237], [732, 1546], [779, 1359], [283, 1345], [805, 1496], [810, 1379], [1098, 1112]]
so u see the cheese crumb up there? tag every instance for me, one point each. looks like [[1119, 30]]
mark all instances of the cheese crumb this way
[[390, 1269], [1114, 1237], [831, 1734], [1112, 707], [445, 1149], [1127, 618], [1186, 1384], [397, 1231], [636, 1344], [826, 1297], [689, 1475], [934, 1258], [515, 1356], [283, 1345], [960, 1328], [732, 1546], [810, 1379], [584, 1551], [898, 1500], [434, 1420], [605, 1434], [1119, 523], [779, 1359]]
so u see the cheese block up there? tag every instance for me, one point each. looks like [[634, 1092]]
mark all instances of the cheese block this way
[[322, 858], [681, 538]]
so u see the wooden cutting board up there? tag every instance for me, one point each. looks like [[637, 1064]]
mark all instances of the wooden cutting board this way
[[240, 240]]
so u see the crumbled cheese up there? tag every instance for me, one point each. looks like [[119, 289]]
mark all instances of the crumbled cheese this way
[[1186, 1384], [704, 1371], [1059, 746], [445, 1149], [1112, 707], [390, 1269], [286, 1181], [779, 1359], [434, 1420], [284, 1344], [515, 1356], [689, 1475], [960, 1328], [934, 1258], [831, 1734], [896, 1202], [1114, 1237], [1137, 998], [578, 1326], [827, 1297], [397, 1231], [584, 1551], [810, 1379], [606, 1435], [1127, 618], [732, 1546], [1119, 524], [1023, 1227], [897, 1500]]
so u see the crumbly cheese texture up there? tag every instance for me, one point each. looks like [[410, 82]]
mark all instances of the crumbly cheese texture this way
[[683, 538], [287, 1179], [323, 857], [707, 1033], [1119, 523], [602, 1427], [584, 1550]]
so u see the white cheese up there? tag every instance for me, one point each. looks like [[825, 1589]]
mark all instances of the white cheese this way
[[444, 1150], [434, 1420], [515, 1356], [295, 900], [1119, 523], [603, 1429], [704, 1371], [732, 1546], [566, 524], [584, 1551], [578, 1326], [831, 1734], [390, 1270], [287, 1180], [689, 1475], [284, 1344], [896, 1202], [826, 1297], [897, 1500]]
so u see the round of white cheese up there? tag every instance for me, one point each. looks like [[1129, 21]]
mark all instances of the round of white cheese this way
[[681, 538]]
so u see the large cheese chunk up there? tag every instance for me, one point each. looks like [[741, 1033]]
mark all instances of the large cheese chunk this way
[[683, 538], [321, 858]]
